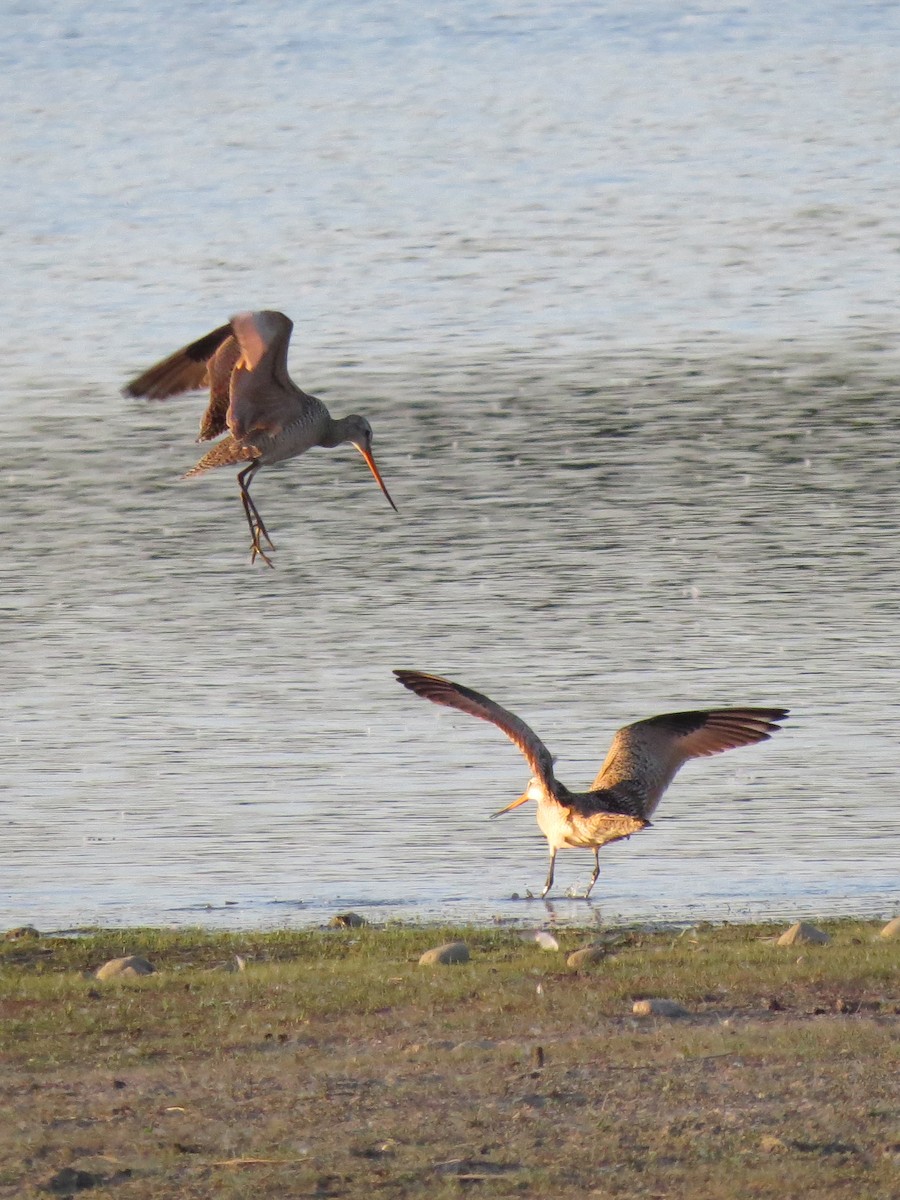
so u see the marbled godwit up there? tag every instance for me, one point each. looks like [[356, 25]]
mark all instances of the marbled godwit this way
[[641, 763], [268, 418]]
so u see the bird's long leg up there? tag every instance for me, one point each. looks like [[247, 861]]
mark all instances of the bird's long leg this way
[[596, 872], [258, 526], [254, 520], [253, 516], [257, 529], [549, 884]]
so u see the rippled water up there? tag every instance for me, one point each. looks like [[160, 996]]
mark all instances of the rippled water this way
[[613, 284]]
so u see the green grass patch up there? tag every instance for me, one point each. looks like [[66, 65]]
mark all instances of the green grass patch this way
[[334, 1065]]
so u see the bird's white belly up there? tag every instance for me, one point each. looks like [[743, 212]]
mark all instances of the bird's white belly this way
[[562, 828], [557, 827]]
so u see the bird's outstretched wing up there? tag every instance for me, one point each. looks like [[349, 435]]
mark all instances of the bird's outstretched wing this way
[[244, 365], [454, 695], [184, 371], [644, 757], [208, 362], [264, 398]]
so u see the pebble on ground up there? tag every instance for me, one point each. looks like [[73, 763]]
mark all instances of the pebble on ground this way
[[801, 933], [347, 920], [658, 1008], [129, 967], [449, 953], [587, 955]]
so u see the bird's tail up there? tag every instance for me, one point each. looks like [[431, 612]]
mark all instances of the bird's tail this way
[[223, 454]]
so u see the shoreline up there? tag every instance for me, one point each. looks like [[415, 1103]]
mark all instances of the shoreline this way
[[330, 1063], [534, 913]]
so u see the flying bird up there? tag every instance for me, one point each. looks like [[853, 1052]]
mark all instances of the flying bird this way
[[642, 761], [268, 419]]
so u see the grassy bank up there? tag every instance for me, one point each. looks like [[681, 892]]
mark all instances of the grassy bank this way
[[334, 1065]]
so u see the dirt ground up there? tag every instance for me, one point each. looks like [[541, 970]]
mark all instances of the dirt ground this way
[[335, 1066]]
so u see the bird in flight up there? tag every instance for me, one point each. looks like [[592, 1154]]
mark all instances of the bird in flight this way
[[253, 400], [642, 761]]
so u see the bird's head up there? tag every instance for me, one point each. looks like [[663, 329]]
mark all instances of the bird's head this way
[[535, 791], [358, 431]]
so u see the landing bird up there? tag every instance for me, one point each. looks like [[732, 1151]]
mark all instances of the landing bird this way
[[268, 418], [641, 763]]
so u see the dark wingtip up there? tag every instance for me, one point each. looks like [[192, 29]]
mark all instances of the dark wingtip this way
[[206, 346], [774, 715], [166, 378], [429, 687], [407, 678]]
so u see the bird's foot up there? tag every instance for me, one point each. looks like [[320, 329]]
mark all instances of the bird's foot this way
[[256, 550], [259, 530]]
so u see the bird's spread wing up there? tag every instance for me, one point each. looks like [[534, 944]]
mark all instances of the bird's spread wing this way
[[645, 756], [219, 371], [623, 804], [263, 397], [261, 334], [454, 695], [186, 370]]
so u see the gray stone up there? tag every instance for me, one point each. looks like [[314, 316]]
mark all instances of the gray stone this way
[[70, 1180], [347, 920], [586, 956], [451, 952], [658, 1008], [802, 933], [129, 967], [20, 933], [93, 1170]]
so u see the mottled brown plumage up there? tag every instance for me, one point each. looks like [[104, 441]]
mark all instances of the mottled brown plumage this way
[[251, 395], [642, 761]]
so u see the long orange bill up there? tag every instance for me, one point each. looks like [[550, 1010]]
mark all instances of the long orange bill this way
[[515, 804], [370, 463]]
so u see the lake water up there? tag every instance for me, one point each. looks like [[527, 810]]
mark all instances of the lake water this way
[[615, 285]]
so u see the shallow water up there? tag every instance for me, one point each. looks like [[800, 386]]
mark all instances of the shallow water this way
[[609, 282]]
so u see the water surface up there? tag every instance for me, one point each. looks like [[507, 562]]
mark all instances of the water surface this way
[[613, 284]]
